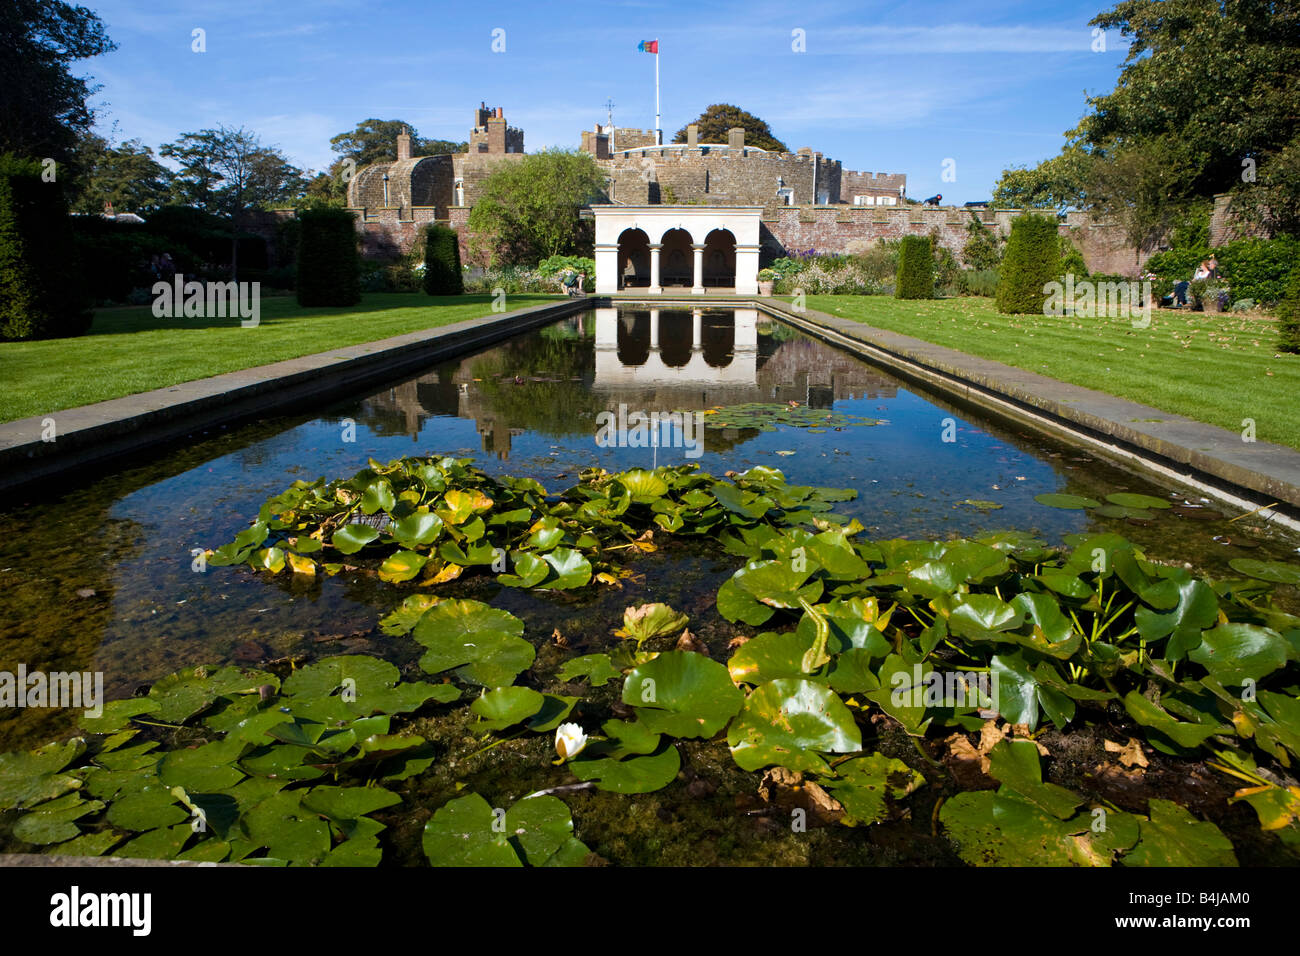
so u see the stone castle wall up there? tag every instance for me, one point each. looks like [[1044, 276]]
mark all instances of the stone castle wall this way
[[717, 175]]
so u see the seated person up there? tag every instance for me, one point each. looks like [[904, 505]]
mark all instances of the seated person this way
[[573, 282]]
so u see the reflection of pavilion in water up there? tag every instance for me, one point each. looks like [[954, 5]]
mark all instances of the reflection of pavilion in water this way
[[651, 360], [664, 359]]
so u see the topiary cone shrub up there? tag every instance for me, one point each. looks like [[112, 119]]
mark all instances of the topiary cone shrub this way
[[915, 269], [1033, 259], [442, 272], [1288, 315], [41, 293], [329, 268]]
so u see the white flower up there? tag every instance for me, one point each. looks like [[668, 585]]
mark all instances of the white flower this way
[[569, 740]]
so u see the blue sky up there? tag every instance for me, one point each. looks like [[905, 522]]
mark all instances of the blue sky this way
[[883, 87]]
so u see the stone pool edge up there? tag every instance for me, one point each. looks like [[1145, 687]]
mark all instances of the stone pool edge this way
[[1207, 457], [95, 434]]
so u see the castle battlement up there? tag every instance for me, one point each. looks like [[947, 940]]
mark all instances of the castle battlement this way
[[678, 152], [877, 179]]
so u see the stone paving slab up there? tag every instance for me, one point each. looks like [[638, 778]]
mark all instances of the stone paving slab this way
[[1260, 472], [91, 434]]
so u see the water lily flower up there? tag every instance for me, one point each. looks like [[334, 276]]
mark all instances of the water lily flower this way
[[569, 740]]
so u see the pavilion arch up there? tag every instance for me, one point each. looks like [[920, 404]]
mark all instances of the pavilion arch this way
[[690, 247], [675, 338], [718, 342], [634, 333], [719, 259], [633, 259]]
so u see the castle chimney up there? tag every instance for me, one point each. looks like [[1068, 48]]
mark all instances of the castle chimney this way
[[403, 145], [692, 136], [736, 137]]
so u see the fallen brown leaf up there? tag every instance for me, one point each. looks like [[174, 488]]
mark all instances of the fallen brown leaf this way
[[1130, 754]]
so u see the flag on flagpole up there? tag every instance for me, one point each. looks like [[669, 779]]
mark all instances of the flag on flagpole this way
[[648, 46]]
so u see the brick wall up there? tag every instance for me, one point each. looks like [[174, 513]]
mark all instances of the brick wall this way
[[1225, 226], [851, 229], [854, 184], [389, 233], [1104, 246]]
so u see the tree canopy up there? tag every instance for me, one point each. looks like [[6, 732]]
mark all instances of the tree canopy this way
[[532, 206], [1055, 183], [227, 171], [42, 104], [375, 141], [1207, 102], [125, 175], [720, 117]]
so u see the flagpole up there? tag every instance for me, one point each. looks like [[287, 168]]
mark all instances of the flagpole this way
[[659, 134]]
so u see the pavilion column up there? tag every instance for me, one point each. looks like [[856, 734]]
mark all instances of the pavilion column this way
[[697, 287], [747, 269], [606, 268], [655, 288]]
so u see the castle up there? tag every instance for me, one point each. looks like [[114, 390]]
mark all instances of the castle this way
[[809, 201]]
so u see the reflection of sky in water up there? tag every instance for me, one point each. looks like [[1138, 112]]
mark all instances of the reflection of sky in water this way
[[529, 407]]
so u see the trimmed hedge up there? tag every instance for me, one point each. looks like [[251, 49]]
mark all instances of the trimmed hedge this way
[[1288, 315], [1258, 269], [329, 268], [41, 293], [1032, 260], [442, 272], [915, 278]]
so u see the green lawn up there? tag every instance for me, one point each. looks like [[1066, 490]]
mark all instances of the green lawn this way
[[1219, 368], [128, 350]]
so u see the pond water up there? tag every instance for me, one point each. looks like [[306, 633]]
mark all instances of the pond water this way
[[98, 576]]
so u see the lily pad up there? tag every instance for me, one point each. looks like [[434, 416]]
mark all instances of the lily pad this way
[[1236, 653], [683, 694], [481, 640], [402, 566], [1173, 837], [1067, 502], [649, 621], [791, 722], [568, 569], [597, 668], [863, 785], [504, 707], [632, 774], [467, 831], [1127, 499], [999, 829], [1273, 571]]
